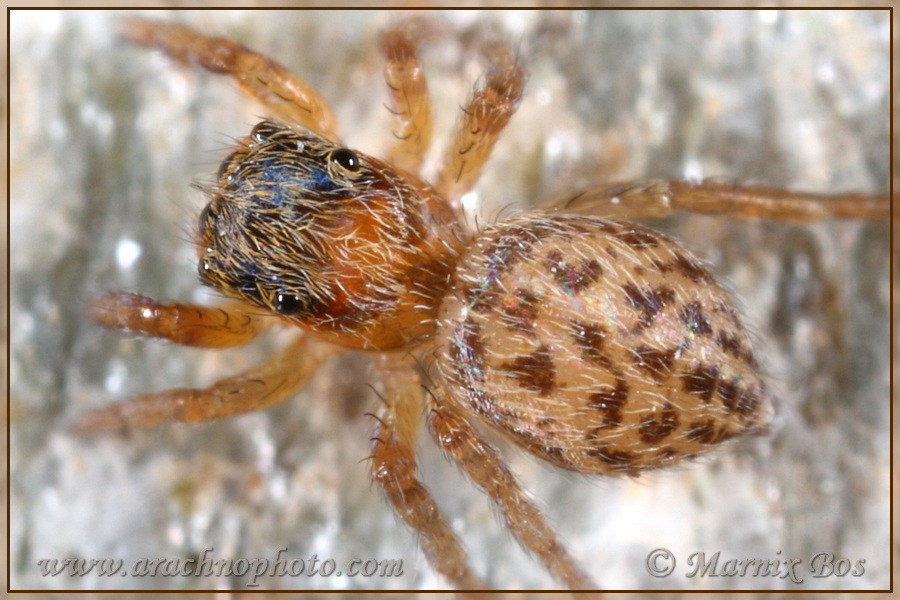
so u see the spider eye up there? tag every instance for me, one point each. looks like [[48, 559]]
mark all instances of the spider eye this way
[[203, 222], [287, 304], [223, 169], [262, 132], [204, 269], [346, 158]]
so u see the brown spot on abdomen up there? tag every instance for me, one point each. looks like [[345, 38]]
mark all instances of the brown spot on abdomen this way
[[656, 363], [695, 320], [648, 302], [590, 339], [610, 402], [702, 381], [535, 371], [573, 280], [655, 428]]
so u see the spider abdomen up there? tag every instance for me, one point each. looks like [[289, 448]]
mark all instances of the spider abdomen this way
[[602, 347]]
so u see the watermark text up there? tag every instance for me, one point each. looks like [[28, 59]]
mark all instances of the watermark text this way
[[661, 562], [207, 565]]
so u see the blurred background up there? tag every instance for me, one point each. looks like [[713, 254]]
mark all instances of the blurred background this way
[[106, 140]]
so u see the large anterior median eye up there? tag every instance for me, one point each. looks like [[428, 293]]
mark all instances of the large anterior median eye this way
[[287, 304], [346, 158]]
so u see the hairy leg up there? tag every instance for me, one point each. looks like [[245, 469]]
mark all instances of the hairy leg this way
[[275, 380], [287, 96], [491, 108], [394, 469], [483, 466], [658, 198], [411, 103], [187, 324]]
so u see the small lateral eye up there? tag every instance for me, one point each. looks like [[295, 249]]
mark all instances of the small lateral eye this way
[[346, 158], [287, 304], [203, 222], [223, 168], [204, 268], [260, 132]]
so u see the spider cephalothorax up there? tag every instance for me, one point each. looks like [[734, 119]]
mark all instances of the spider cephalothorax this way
[[331, 238]]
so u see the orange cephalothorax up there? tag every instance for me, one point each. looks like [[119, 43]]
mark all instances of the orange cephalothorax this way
[[332, 239]]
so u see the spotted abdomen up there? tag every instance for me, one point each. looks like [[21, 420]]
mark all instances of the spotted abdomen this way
[[602, 347]]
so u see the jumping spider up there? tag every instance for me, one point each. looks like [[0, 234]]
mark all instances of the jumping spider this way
[[600, 346]]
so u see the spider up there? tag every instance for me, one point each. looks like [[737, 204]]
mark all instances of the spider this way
[[522, 313]]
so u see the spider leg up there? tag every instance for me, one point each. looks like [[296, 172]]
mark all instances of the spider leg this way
[[187, 324], [287, 96], [411, 103], [482, 464], [394, 469], [658, 198], [275, 380], [488, 112]]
